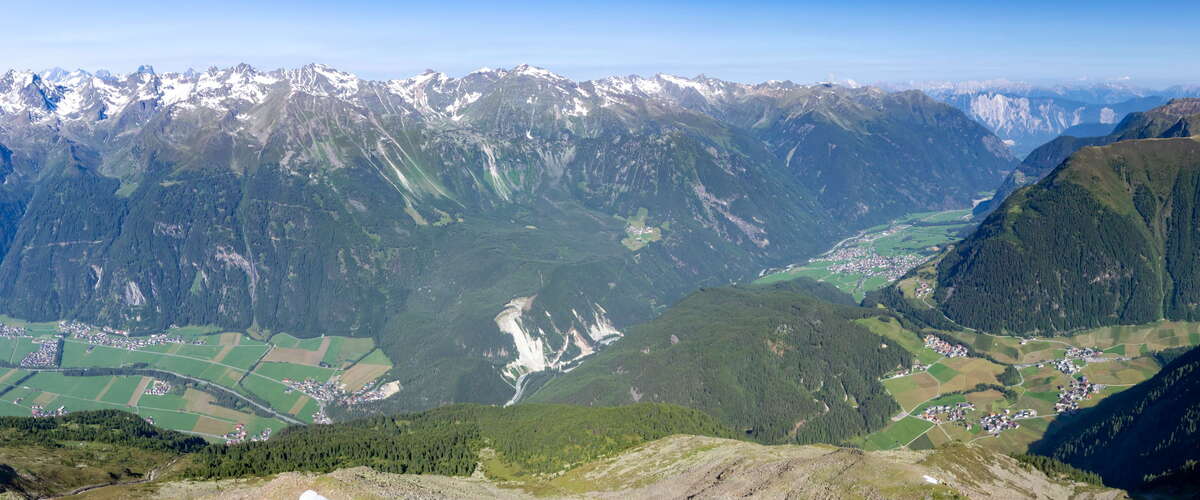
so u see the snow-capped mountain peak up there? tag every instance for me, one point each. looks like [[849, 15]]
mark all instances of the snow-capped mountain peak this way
[[59, 97], [536, 72]]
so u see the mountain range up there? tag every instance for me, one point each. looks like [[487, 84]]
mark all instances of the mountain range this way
[[481, 228], [574, 255]]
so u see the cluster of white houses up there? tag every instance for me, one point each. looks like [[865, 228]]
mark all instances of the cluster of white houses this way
[[9, 332], [1070, 396], [945, 348], [865, 261], [46, 355], [158, 387], [1065, 365], [239, 435], [332, 391], [995, 423], [956, 412], [38, 411], [120, 339], [1081, 353]]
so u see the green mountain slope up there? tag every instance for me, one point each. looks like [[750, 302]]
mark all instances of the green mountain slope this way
[[1148, 433], [1108, 238], [773, 361]]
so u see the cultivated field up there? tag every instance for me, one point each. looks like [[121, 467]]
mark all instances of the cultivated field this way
[[12, 350], [1132, 341], [367, 370], [1121, 372], [897, 434], [912, 390], [1125, 360], [236, 361], [193, 411], [968, 372]]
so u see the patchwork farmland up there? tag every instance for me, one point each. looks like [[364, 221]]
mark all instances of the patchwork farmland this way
[[945, 399], [222, 384]]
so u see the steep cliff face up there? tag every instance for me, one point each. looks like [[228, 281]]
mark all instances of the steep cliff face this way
[[1026, 116], [416, 211]]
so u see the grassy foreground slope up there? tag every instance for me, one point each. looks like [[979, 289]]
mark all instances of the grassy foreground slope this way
[[687, 467], [773, 361], [524, 451]]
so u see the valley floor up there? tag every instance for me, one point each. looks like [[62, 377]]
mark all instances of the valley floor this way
[[876, 256], [945, 400], [223, 386]]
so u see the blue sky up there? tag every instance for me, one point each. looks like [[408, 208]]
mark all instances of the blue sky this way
[[744, 41]]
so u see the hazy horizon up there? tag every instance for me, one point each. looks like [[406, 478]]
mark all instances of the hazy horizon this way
[[870, 43], [891, 84]]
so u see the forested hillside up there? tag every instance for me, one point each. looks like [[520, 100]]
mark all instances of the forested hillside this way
[[1146, 435], [526, 438], [104, 426], [772, 361], [1111, 237]]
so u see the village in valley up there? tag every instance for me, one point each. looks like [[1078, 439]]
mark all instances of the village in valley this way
[[877, 256], [1003, 392]]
